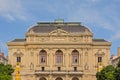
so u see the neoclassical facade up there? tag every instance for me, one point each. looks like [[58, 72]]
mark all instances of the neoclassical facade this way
[[58, 51]]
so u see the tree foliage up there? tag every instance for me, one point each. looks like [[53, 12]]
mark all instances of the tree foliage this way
[[106, 73], [109, 73], [117, 72], [5, 72]]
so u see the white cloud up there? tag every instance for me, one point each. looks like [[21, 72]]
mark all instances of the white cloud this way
[[99, 14], [12, 10], [96, 12]]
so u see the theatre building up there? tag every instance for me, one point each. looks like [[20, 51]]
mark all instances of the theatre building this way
[[58, 51]]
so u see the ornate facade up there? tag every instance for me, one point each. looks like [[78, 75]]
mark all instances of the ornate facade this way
[[59, 51]]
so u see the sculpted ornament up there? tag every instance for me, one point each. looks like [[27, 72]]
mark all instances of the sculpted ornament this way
[[18, 53], [100, 53], [59, 32]]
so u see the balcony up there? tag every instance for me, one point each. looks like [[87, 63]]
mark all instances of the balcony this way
[[75, 72], [42, 72], [59, 72]]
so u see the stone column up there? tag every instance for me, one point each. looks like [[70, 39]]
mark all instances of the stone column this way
[[66, 59]]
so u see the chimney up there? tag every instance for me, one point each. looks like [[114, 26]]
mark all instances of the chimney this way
[[118, 51]]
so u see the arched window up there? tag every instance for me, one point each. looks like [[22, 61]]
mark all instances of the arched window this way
[[43, 56], [75, 56], [42, 78], [58, 78], [75, 78], [59, 56]]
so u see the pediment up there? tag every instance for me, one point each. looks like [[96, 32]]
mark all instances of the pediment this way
[[58, 32], [18, 53], [100, 53]]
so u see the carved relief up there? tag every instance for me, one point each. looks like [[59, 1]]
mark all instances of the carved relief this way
[[75, 39], [58, 38], [42, 39], [59, 32], [99, 53], [87, 32], [31, 31], [31, 38], [31, 66], [18, 53], [86, 67]]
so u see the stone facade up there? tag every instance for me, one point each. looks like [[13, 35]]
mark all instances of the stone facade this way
[[58, 51]]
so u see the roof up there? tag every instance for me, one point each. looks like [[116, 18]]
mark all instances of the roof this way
[[117, 58], [99, 40], [46, 27], [18, 40]]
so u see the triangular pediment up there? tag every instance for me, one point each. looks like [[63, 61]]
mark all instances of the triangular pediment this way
[[58, 32]]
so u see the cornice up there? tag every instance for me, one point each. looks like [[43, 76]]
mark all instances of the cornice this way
[[56, 43], [49, 34], [102, 43], [16, 43]]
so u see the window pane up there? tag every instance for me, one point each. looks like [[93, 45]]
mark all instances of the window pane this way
[[59, 55], [43, 59], [75, 56], [99, 59], [18, 59], [75, 59], [59, 59]]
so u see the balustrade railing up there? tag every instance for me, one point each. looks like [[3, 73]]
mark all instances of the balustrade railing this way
[[58, 72]]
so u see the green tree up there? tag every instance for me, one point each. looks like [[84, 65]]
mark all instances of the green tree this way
[[106, 73], [117, 71], [5, 72], [118, 65]]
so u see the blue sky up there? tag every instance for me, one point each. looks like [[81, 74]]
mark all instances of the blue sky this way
[[101, 16]]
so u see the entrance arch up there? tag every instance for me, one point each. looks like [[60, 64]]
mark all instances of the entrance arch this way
[[58, 78], [42, 78], [75, 78]]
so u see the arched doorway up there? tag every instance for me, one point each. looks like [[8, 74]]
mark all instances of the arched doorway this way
[[75, 78], [42, 78], [58, 78]]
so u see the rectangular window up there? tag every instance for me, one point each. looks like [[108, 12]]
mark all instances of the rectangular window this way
[[18, 59], [59, 68], [99, 59], [43, 68], [75, 68]]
